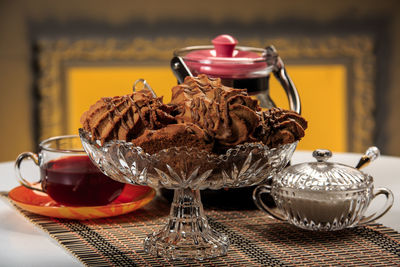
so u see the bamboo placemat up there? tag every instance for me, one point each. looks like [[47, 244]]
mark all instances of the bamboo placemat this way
[[256, 240]]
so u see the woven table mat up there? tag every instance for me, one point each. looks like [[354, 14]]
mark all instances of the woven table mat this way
[[256, 240]]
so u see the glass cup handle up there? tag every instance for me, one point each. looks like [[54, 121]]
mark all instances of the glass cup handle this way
[[386, 207], [273, 211], [24, 182]]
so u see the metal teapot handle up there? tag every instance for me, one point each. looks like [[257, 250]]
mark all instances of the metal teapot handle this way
[[281, 74], [180, 69]]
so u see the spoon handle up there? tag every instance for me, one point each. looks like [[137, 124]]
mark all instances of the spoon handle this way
[[370, 155]]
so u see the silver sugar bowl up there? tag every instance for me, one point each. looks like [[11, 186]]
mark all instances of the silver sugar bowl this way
[[322, 195]]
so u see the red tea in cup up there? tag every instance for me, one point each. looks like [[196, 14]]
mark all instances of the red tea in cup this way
[[76, 181], [67, 174]]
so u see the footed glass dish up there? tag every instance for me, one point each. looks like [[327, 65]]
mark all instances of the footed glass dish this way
[[187, 234]]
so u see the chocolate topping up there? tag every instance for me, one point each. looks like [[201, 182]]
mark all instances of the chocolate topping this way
[[172, 135], [226, 114], [203, 113], [278, 127], [126, 117]]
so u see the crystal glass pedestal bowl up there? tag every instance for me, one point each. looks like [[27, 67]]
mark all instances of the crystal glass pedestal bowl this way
[[187, 234]]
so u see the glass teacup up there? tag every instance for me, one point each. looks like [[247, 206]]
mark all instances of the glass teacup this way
[[67, 174]]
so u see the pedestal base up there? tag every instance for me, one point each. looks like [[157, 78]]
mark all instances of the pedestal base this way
[[187, 234], [186, 246]]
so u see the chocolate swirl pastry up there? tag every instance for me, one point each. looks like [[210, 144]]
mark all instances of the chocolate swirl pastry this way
[[173, 135], [278, 127], [126, 117], [226, 114], [203, 113]]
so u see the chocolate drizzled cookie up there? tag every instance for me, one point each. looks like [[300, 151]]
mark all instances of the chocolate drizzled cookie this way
[[203, 113], [226, 114], [126, 117], [278, 127]]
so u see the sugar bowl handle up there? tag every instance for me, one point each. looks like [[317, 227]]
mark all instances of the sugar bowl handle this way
[[268, 208], [386, 207]]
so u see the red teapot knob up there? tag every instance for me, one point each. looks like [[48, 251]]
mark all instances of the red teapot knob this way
[[224, 45]]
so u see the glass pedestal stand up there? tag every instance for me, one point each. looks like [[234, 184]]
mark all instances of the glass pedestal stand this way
[[187, 234]]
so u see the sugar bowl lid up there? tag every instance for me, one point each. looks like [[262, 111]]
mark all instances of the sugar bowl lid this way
[[327, 176]]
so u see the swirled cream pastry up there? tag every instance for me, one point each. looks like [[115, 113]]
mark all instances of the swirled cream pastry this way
[[126, 117], [202, 113], [226, 114], [278, 126]]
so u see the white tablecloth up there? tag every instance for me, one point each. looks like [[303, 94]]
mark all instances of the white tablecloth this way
[[23, 244]]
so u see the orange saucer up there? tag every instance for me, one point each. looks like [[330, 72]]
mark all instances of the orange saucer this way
[[132, 197]]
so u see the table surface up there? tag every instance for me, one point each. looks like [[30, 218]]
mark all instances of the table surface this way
[[24, 244]]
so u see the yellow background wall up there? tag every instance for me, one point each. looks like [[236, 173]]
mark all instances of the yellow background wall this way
[[323, 106]]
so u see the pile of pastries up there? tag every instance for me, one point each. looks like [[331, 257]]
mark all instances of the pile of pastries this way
[[202, 113]]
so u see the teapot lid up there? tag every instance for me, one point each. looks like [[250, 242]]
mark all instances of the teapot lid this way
[[225, 59], [325, 176]]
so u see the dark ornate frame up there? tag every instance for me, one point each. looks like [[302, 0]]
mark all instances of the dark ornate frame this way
[[55, 56]]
